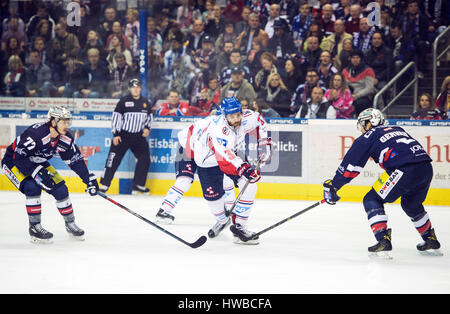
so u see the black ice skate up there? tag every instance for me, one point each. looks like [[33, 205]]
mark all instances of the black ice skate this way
[[383, 248], [164, 217], [241, 235], [75, 231], [217, 228], [39, 234], [139, 189], [430, 246]]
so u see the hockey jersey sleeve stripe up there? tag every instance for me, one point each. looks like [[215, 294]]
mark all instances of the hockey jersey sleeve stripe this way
[[189, 152], [224, 165]]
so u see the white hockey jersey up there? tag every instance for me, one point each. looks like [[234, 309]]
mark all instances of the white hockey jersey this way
[[211, 142]]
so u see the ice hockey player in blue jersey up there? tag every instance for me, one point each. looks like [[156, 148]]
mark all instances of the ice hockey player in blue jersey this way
[[26, 165], [408, 174]]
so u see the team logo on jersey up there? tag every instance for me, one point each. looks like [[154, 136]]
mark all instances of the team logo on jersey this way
[[226, 130], [386, 183], [129, 104]]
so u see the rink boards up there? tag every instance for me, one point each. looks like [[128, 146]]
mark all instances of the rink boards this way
[[306, 152]]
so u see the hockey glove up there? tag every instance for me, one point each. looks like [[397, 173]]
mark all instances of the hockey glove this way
[[253, 175], [92, 185], [330, 192], [43, 177], [264, 149]]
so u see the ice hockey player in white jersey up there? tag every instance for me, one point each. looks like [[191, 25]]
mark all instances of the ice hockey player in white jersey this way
[[185, 168], [213, 145]]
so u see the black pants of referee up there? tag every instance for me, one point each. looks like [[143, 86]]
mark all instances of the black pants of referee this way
[[139, 147]]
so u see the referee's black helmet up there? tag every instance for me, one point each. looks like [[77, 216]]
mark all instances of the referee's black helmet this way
[[135, 82]]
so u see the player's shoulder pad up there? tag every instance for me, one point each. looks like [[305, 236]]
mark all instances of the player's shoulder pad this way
[[65, 140]]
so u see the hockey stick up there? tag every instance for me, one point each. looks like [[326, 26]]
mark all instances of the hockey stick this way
[[229, 212], [200, 241], [282, 221]]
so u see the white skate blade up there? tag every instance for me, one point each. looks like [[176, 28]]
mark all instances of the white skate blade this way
[[431, 252], [35, 240], [76, 238], [163, 221], [140, 193], [386, 255], [249, 242]]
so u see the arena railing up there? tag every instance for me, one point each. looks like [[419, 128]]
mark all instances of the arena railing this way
[[437, 57]]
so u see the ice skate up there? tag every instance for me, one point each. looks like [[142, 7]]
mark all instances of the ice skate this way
[[383, 248], [163, 217], [103, 189], [241, 235], [217, 228], [430, 246], [74, 231], [39, 234], [139, 189]]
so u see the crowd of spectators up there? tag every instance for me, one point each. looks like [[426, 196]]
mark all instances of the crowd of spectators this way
[[284, 58]]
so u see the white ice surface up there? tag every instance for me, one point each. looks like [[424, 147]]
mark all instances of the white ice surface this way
[[321, 251]]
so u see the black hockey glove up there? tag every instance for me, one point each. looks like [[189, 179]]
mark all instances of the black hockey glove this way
[[92, 185], [253, 175], [43, 177], [330, 192]]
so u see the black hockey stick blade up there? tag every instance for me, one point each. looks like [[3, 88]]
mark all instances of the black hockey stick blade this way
[[200, 241], [256, 235]]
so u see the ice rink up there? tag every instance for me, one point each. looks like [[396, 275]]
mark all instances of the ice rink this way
[[321, 251]]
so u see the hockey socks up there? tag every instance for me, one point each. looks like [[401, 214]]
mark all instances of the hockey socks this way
[[175, 193]]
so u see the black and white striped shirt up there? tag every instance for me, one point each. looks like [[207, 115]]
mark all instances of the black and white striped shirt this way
[[131, 115]]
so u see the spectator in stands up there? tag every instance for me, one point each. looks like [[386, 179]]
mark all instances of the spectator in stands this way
[[379, 58], [276, 95], [41, 14], [292, 74], [416, 29], [116, 30], [334, 42], [243, 23], [403, 51], [311, 56], [13, 48], [303, 91], [326, 68], [327, 20], [340, 97], [117, 47], [13, 82], [43, 30], [223, 56], [228, 35], [316, 107], [68, 41], [209, 5], [300, 24], [352, 23], [281, 44], [120, 77], [154, 39], [208, 98], [215, 25], [194, 39], [344, 55], [93, 41], [105, 26], [313, 30], [238, 87], [342, 12], [13, 31], [268, 67], [443, 99], [97, 77], [38, 76], [267, 23], [186, 13], [8, 11], [235, 61], [132, 30], [261, 106], [427, 109], [173, 107], [74, 78], [254, 57], [204, 59], [362, 39], [361, 80], [233, 10], [245, 38], [39, 45]]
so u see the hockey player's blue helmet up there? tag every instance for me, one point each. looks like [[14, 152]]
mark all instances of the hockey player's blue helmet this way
[[230, 105]]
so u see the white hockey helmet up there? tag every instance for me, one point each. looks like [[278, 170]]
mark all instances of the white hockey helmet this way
[[58, 113], [372, 115]]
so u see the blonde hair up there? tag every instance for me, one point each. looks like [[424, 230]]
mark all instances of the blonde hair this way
[[13, 59], [445, 84], [271, 76]]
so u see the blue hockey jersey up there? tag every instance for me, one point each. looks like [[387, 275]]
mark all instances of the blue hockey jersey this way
[[389, 146], [35, 147]]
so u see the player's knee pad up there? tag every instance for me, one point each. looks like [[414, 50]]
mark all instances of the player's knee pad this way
[[372, 203], [60, 191], [31, 188]]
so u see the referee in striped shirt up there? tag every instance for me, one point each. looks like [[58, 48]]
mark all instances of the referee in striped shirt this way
[[131, 121]]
